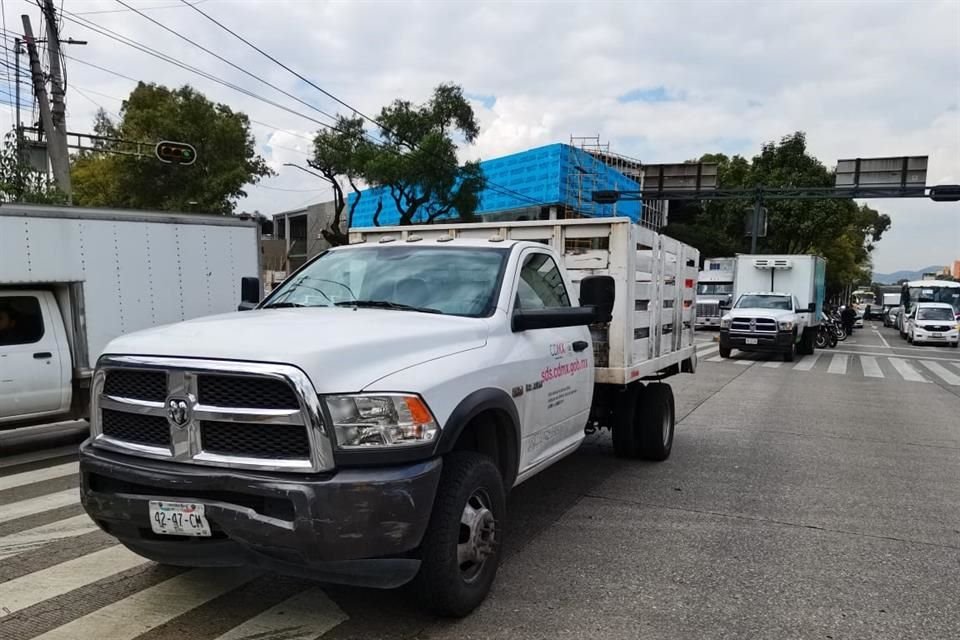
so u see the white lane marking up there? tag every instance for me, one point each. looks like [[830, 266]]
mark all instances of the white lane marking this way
[[838, 364], [39, 475], [906, 371], [871, 368], [900, 355], [742, 361], [305, 616], [882, 339], [716, 359], [51, 582], [24, 541], [943, 373], [807, 362], [956, 364], [703, 352], [773, 364], [29, 507], [136, 614]]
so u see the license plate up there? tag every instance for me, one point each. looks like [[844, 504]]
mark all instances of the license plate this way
[[937, 335], [178, 519], [750, 341]]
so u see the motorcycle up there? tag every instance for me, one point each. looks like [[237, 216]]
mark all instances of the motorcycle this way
[[826, 335], [833, 321]]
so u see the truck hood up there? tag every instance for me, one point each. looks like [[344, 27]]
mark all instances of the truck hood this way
[[778, 314], [340, 349]]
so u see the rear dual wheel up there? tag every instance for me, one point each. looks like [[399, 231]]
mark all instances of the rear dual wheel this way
[[644, 421]]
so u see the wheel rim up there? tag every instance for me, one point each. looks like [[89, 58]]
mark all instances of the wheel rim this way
[[478, 535]]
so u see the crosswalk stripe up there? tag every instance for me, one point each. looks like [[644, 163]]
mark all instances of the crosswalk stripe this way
[[871, 368], [703, 352], [36, 587], [29, 507], [807, 363], [305, 616], [773, 364], [39, 475], [906, 371], [145, 610], [742, 361], [838, 364], [942, 372], [715, 359], [23, 541]]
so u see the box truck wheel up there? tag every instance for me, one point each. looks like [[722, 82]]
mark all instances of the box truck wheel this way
[[460, 551], [644, 422]]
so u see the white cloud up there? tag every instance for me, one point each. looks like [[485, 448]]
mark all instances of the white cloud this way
[[860, 79]]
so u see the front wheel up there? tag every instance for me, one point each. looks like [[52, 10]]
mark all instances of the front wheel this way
[[823, 340], [790, 353], [725, 352], [460, 552]]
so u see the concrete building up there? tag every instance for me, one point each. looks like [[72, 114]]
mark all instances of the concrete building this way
[[299, 229]]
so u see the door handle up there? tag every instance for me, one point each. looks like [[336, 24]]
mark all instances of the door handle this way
[[580, 345], [42, 355]]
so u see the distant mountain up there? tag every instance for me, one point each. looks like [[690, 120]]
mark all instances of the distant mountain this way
[[896, 276]]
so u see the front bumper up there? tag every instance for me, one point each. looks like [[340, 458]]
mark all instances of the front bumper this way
[[354, 526], [766, 342], [708, 321], [945, 337]]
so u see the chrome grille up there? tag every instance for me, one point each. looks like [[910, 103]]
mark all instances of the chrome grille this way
[[218, 413], [708, 310], [937, 328], [754, 325]]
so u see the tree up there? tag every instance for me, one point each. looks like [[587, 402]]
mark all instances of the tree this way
[[414, 162], [226, 155], [20, 182], [840, 230], [341, 151]]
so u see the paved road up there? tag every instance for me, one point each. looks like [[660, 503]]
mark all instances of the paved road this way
[[817, 501]]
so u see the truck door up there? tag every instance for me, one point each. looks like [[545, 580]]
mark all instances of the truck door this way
[[31, 364], [558, 364]]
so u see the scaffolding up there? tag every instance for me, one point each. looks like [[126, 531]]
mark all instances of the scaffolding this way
[[586, 179]]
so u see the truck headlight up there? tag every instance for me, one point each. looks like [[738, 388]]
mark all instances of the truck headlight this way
[[725, 323], [785, 325], [384, 420]]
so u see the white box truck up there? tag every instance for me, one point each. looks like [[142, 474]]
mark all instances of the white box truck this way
[[410, 380], [714, 288], [72, 279], [778, 302]]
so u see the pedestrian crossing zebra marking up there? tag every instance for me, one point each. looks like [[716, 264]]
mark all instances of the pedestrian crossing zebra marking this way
[[942, 372], [871, 368], [305, 616], [30, 477], [838, 364], [16, 510], [807, 363], [30, 539], [906, 371]]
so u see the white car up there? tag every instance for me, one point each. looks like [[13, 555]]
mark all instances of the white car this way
[[933, 322]]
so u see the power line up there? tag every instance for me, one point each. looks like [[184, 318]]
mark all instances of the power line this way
[[222, 59], [166, 6]]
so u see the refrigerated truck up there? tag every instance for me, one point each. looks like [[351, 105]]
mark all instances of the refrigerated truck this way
[[72, 279], [714, 287]]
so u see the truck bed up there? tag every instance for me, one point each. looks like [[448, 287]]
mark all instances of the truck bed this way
[[652, 331]]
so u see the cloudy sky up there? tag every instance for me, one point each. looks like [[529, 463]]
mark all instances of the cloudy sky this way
[[661, 81]]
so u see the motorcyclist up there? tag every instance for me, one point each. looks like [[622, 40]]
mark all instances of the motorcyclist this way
[[848, 316]]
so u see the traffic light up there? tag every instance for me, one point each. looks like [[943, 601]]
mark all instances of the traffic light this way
[[176, 152]]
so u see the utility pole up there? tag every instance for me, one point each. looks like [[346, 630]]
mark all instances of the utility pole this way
[[56, 138], [19, 132]]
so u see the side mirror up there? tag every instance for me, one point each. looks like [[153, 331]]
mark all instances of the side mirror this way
[[249, 293], [724, 304], [598, 292], [812, 307], [552, 318]]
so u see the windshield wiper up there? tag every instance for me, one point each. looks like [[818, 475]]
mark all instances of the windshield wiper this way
[[385, 304], [282, 305]]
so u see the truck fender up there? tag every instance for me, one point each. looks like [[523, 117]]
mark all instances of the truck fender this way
[[481, 400]]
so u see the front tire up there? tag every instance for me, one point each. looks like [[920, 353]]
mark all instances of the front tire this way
[[725, 352], [460, 552], [791, 353]]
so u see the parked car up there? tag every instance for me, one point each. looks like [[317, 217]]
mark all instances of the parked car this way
[[933, 322]]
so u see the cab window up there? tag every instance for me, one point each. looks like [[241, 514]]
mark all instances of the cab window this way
[[21, 321], [541, 284]]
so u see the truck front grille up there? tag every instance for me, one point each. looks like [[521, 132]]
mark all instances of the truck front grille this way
[[255, 440], [708, 310], [754, 325], [228, 414], [139, 385], [130, 427]]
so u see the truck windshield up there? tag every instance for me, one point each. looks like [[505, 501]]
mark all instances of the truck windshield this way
[[935, 313], [460, 281], [753, 301], [714, 288]]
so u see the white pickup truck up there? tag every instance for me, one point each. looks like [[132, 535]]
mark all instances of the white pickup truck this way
[[364, 423], [779, 300]]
